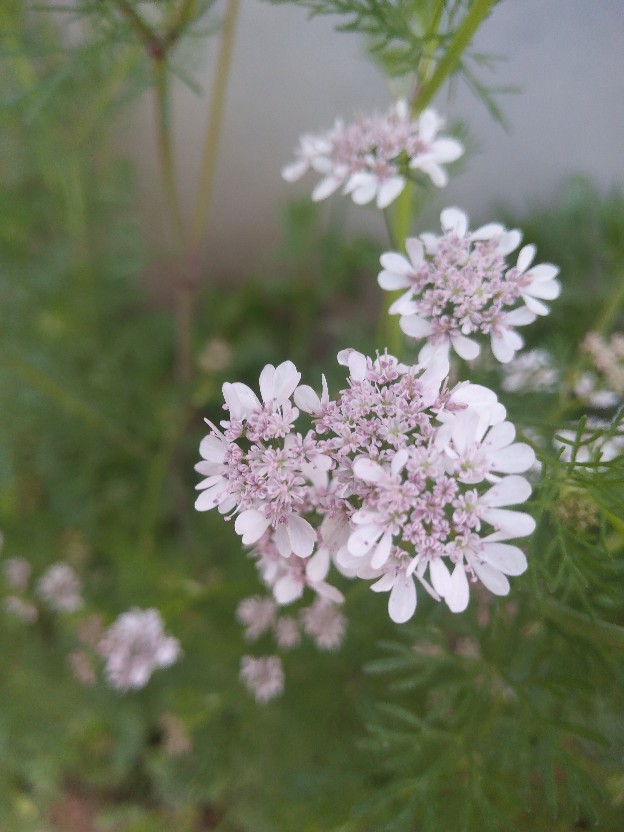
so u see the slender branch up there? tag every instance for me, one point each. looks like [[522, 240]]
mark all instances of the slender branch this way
[[145, 34], [602, 633], [165, 149], [73, 404], [447, 64], [214, 125]]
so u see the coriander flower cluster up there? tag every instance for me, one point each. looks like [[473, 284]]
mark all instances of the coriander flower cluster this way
[[458, 287], [400, 481], [371, 158]]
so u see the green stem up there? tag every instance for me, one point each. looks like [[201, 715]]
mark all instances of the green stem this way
[[165, 149], [214, 125], [601, 633], [477, 13], [142, 30], [74, 405]]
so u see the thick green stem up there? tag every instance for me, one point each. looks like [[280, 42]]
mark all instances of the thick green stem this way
[[477, 13]]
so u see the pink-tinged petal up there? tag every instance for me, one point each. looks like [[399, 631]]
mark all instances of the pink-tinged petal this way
[[399, 460], [295, 170], [488, 232], [318, 565], [519, 317], [465, 347], [402, 601], [391, 281], [282, 541], [210, 481], [415, 251], [382, 551], [543, 273], [362, 187], [211, 497], [325, 188], [525, 257], [416, 327], [207, 468], [307, 399], [389, 191], [509, 241], [385, 583], [285, 381], [288, 589], [428, 165], [369, 471], [240, 399], [514, 459], [357, 366], [404, 306], [428, 125], [504, 344], [302, 536], [363, 539], [510, 523], [440, 576], [535, 306], [458, 593], [212, 448], [267, 383], [500, 435], [251, 525], [508, 559], [329, 592], [547, 290], [394, 262], [447, 150], [490, 577], [509, 491], [455, 220], [227, 504]]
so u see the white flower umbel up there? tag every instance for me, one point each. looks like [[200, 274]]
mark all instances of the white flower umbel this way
[[264, 677], [402, 481], [60, 588], [459, 288], [371, 158]]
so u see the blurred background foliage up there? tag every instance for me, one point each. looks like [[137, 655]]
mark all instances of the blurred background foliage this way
[[507, 717]]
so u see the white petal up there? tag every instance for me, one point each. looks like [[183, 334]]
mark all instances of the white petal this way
[[504, 344], [318, 565], [368, 470], [212, 448], [402, 601], [363, 539], [491, 578], [465, 347], [295, 170], [382, 551], [389, 191], [547, 290], [282, 541], [447, 150], [325, 188], [267, 383], [251, 525], [509, 491], [212, 496], [394, 262], [458, 592], [510, 523], [415, 326], [302, 536], [390, 281], [440, 576], [288, 589], [428, 125], [515, 459], [519, 317], [240, 399], [307, 399], [509, 559], [455, 220], [525, 257], [416, 252]]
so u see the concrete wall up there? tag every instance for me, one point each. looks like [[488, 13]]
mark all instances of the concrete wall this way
[[292, 75]]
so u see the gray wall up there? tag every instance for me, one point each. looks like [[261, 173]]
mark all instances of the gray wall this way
[[292, 75]]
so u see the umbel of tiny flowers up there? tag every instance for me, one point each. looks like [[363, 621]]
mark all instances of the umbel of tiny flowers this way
[[134, 646], [459, 287], [371, 158], [401, 479]]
